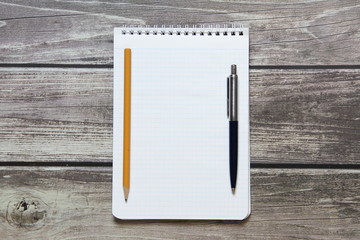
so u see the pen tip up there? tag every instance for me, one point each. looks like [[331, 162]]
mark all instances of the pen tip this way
[[233, 191], [125, 199]]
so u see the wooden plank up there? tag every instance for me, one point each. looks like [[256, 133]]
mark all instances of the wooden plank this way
[[297, 116], [282, 32], [69, 203], [56, 115], [300, 116]]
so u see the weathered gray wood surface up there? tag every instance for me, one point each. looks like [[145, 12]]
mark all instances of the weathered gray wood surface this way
[[282, 32], [297, 116], [55, 115], [75, 203]]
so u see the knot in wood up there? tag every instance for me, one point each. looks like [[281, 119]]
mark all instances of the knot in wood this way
[[28, 213]]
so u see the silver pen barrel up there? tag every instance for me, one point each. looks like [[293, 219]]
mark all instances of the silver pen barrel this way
[[233, 86]]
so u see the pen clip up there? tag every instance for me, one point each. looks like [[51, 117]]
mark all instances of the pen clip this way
[[228, 100]]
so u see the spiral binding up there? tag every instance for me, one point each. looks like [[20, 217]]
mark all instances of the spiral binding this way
[[202, 30]]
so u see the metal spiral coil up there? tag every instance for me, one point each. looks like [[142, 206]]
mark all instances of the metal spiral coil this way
[[194, 30]]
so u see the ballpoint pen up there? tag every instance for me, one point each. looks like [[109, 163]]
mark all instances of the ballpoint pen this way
[[232, 85]]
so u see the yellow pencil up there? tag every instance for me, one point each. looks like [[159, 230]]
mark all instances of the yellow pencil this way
[[127, 118]]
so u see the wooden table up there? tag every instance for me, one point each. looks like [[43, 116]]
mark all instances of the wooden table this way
[[56, 118]]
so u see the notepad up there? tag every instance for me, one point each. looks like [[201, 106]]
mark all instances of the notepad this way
[[179, 167]]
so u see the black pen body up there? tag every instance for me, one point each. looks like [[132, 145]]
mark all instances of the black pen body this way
[[233, 152]]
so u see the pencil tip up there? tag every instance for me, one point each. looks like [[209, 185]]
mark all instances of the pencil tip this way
[[233, 191], [126, 193]]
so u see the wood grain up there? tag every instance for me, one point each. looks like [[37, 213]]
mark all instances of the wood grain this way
[[297, 116], [307, 116], [69, 203], [55, 115], [307, 32]]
